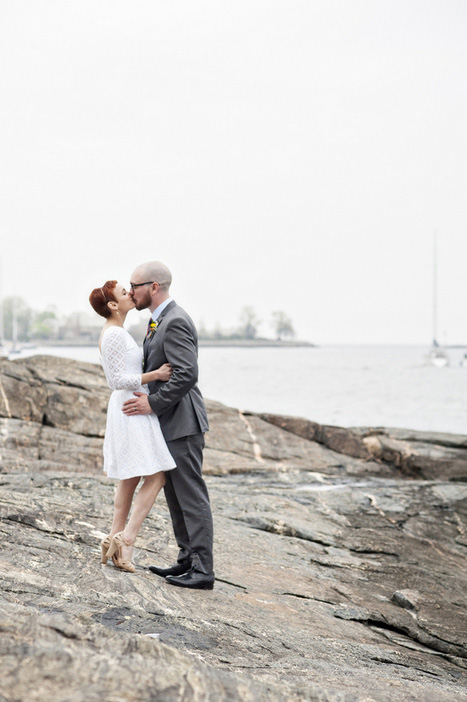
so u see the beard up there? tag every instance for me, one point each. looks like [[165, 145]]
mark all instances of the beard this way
[[145, 302]]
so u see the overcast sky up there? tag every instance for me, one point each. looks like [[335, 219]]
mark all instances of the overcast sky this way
[[294, 155]]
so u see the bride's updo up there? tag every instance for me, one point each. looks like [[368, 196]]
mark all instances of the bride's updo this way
[[101, 296]]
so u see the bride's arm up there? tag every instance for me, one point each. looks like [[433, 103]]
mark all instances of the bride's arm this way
[[162, 373], [113, 355]]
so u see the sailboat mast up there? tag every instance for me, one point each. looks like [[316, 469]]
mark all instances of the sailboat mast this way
[[14, 331], [435, 289]]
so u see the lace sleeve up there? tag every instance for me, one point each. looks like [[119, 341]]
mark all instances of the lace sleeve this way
[[113, 356]]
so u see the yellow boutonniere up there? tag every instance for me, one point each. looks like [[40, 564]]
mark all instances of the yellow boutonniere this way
[[152, 329]]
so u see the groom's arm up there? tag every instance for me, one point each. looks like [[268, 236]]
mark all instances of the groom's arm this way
[[181, 352]]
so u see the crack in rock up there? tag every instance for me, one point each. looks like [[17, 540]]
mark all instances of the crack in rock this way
[[377, 621]]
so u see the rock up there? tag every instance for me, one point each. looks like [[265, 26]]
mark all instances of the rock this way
[[57, 392], [70, 396], [439, 438], [431, 461], [336, 438], [408, 599], [415, 454], [70, 654], [21, 395], [32, 446], [248, 438], [338, 577], [19, 443], [302, 603]]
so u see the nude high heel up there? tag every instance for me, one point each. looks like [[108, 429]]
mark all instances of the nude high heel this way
[[116, 554], [105, 545]]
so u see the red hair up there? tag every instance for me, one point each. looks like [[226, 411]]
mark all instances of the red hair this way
[[101, 296]]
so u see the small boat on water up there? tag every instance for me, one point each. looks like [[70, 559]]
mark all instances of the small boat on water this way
[[438, 356]]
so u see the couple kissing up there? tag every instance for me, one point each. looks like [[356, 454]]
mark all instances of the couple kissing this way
[[156, 420]]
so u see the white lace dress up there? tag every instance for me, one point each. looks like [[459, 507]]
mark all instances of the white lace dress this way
[[133, 445]]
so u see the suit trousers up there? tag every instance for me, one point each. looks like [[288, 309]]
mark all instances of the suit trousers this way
[[188, 500]]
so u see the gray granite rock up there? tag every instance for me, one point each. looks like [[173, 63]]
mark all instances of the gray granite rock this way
[[338, 577], [56, 392], [52, 656], [412, 453], [408, 599], [306, 571]]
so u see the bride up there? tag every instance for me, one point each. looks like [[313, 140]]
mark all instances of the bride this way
[[134, 447]]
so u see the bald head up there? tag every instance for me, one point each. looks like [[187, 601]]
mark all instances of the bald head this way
[[155, 271], [143, 289]]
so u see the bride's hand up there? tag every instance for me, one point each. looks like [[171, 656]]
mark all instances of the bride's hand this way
[[164, 372]]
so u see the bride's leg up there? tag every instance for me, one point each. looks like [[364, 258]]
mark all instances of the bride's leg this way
[[143, 502], [122, 503]]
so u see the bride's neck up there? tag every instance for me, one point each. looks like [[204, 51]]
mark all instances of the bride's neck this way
[[117, 320]]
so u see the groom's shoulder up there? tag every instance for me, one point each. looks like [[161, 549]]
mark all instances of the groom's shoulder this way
[[176, 312]]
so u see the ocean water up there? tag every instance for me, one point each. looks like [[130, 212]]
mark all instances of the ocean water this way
[[341, 385]]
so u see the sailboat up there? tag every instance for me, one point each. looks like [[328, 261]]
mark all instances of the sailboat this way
[[438, 356]]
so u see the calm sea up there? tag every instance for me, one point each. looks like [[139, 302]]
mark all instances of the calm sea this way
[[342, 385]]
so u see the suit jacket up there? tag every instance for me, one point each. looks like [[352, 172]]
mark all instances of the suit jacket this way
[[178, 402]]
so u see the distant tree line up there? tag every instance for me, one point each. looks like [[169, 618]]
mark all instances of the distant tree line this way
[[21, 321], [248, 327], [24, 324]]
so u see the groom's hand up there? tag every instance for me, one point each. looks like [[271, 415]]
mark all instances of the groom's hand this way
[[139, 405]]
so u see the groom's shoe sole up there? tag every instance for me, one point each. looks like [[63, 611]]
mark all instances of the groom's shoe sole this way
[[192, 580], [177, 569]]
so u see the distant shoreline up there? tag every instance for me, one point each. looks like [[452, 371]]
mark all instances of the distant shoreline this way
[[254, 343], [224, 343]]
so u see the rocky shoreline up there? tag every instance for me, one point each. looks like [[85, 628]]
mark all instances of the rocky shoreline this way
[[340, 559]]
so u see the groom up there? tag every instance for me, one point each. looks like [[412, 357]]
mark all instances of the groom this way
[[172, 338]]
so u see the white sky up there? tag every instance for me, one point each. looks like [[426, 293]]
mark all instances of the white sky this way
[[294, 155]]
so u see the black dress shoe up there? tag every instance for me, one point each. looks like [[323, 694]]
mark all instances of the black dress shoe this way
[[193, 579], [177, 569]]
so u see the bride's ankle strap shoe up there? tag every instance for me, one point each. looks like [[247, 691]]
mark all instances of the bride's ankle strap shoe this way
[[105, 545], [115, 553]]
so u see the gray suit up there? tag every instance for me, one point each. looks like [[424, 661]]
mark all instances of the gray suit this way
[[182, 414]]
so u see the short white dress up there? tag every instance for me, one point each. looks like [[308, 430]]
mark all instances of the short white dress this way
[[133, 446]]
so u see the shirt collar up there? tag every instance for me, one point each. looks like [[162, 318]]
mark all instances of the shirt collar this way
[[158, 311]]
